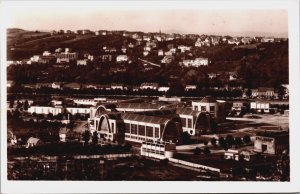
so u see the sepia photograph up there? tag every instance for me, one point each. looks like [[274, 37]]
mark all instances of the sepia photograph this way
[[141, 92]]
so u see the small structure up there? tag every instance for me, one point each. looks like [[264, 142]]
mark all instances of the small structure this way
[[122, 58], [33, 141], [232, 154], [159, 150], [271, 142]]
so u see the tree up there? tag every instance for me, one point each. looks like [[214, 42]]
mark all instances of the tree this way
[[213, 141], [50, 116], [11, 103], [26, 105], [238, 141], [197, 151], [248, 93], [230, 140], [246, 139], [206, 150], [86, 137], [205, 143], [186, 138], [19, 104], [95, 138]]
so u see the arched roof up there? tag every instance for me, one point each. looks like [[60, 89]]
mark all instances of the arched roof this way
[[144, 118]]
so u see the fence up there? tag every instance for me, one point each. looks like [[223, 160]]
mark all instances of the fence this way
[[193, 165]]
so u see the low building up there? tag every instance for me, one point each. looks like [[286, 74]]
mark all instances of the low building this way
[[122, 58], [271, 142], [164, 89], [263, 92], [238, 107], [82, 110], [74, 86], [160, 53], [169, 99], [45, 110], [262, 107], [82, 62], [117, 86], [151, 86], [183, 48], [86, 102], [232, 154], [190, 87], [33, 141], [66, 56], [159, 150], [267, 39]]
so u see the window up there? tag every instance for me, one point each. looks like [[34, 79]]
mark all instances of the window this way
[[195, 107], [189, 123], [97, 123], [212, 108], [149, 131], [113, 127], [203, 108], [127, 128], [183, 122], [142, 130], [156, 132], [133, 129]]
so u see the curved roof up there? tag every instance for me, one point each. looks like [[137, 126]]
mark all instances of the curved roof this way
[[160, 112], [139, 105], [144, 118], [186, 111]]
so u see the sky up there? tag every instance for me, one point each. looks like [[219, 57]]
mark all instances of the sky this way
[[224, 22]]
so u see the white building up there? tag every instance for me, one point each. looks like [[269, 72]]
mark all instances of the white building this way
[[160, 53], [151, 86], [190, 87], [45, 110], [122, 58], [262, 106], [79, 110], [184, 48], [82, 62], [163, 89]]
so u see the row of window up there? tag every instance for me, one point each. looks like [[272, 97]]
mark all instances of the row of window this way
[[203, 108], [142, 130], [186, 122], [153, 151]]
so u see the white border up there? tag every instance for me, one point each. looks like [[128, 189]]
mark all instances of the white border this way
[[162, 187]]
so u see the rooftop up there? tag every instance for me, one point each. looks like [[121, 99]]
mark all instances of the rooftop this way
[[144, 118]]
